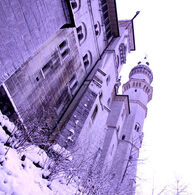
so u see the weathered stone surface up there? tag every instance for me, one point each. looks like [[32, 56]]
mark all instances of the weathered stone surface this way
[[25, 25], [77, 120]]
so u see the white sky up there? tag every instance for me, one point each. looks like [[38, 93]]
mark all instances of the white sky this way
[[165, 30]]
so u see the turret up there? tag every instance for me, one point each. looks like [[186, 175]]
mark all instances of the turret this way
[[138, 87]]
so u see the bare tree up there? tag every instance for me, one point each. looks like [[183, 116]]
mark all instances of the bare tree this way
[[179, 187]]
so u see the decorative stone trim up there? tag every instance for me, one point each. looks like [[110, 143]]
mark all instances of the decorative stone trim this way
[[138, 83], [143, 70]]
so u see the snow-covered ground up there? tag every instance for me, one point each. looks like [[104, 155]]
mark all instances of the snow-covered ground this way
[[21, 172]]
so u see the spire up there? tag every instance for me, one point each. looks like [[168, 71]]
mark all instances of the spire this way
[[144, 61], [137, 13]]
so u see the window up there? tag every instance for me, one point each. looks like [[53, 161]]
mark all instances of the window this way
[[94, 113], [75, 4], [62, 44], [137, 127], [81, 32], [97, 29], [106, 21], [108, 102], [108, 79], [87, 59], [45, 68], [123, 137], [73, 83], [97, 79], [117, 130], [101, 95], [65, 53], [122, 52], [64, 49], [117, 61], [40, 76]]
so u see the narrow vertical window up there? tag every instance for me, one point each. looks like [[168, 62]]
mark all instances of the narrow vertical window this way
[[108, 79], [73, 83], [137, 127], [122, 51], [97, 29], [94, 113], [108, 102]]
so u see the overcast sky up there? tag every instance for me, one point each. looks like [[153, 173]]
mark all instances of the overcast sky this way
[[165, 31]]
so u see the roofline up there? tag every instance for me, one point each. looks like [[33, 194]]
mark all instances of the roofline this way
[[123, 96], [133, 36]]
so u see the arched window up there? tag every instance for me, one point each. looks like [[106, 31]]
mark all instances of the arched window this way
[[146, 89], [81, 32], [122, 51], [123, 137], [75, 4], [97, 28], [87, 59], [64, 49]]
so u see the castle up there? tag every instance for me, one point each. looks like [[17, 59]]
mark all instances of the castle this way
[[59, 67]]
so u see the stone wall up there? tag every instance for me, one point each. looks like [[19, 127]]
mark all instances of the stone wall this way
[[43, 82], [25, 25]]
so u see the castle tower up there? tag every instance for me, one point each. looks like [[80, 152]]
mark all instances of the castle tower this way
[[128, 138], [139, 90]]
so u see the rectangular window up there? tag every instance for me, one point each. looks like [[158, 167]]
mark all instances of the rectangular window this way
[[94, 113], [73, 83], [98, 80], [62, 45], [65, 53]]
